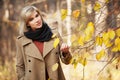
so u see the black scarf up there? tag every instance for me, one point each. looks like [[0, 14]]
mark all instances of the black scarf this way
[[41, 34]]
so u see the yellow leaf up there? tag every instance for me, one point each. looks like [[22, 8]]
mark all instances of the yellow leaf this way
[[88, 37], [111, 34], [82, 1], [100, 54], [75, 64], [119, 46], [118, 32], [56, 42], [116, 61], [83, 61], [54, 35], [86, 55], [89, 29], [73, 37], [81, 40], [76, 13], [75, 43], [98, 41], [97, 6], [105, 36], [49, 79], [114, 49], [55, 67], [107, 1], [90, 24], [74, 61], [117, 41], [109, 44], [63, 13], [106, 42]]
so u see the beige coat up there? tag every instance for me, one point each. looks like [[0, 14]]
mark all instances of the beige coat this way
[[31, 64]]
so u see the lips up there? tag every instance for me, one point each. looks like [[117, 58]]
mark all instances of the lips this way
[[39, 23]]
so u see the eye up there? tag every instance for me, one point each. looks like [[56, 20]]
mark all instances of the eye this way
[[30, 19], [37, 15]]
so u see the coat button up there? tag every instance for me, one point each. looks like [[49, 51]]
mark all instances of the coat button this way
[[29, 70], [29, 60]]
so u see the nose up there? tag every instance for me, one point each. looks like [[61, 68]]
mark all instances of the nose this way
[[37, 20]]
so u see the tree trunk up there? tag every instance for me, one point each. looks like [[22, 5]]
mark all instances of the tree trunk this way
[[100, 17], [59, 18], [68, 22]]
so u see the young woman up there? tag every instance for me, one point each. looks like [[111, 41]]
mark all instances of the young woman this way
[[35, 52]]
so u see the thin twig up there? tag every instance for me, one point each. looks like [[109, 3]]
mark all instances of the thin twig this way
[[107, 64]]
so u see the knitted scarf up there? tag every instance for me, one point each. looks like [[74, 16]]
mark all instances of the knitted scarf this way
[[41, 34]]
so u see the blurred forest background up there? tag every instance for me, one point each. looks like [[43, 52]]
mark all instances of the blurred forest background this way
[[90, 27]]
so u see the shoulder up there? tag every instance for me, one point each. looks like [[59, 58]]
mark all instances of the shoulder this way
[[19, 39], [23, 40]]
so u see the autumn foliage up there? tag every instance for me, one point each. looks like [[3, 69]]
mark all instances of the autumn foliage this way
[[108, 40]]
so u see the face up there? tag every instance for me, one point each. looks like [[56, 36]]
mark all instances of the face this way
[[35, 21]]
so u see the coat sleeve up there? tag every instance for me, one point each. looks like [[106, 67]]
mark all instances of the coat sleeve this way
[[65, 56], [20, 67]]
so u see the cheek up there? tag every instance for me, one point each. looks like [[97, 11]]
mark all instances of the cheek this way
[[31, 24], [40, 18]]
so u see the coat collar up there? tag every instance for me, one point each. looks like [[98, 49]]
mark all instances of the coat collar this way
[[48, 46], [33, 51]]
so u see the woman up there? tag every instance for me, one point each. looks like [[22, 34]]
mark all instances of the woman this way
[[35, 52]]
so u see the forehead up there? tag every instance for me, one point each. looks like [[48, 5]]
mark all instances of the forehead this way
[[32, 14]]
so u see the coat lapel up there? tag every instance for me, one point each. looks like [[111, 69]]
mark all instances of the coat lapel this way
[[31, 48], [48, 46], [33, 51]]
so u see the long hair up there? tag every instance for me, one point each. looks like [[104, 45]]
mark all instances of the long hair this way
[[24, 17]]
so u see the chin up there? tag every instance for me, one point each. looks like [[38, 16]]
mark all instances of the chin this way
[[40, 26]]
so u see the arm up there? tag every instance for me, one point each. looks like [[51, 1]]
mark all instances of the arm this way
[[20, 67], [64, 51]]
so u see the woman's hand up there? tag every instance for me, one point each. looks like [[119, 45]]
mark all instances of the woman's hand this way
[[64, 48]]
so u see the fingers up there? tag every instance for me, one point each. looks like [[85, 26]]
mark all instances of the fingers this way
[[64, 47]]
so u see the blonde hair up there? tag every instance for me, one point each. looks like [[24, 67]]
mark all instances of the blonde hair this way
[[24, 16]]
